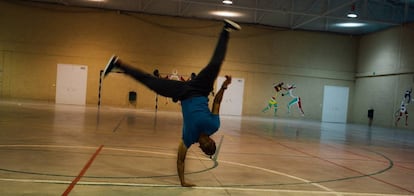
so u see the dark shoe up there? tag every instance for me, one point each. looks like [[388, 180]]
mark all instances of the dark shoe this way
[[230, 25], [111, 65]]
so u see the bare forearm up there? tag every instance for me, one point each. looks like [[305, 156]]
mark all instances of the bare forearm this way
[[219, 95], [217, 100], [182, 152], [180, 171]]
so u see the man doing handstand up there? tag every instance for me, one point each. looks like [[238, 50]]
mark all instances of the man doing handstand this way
[[199, 123]]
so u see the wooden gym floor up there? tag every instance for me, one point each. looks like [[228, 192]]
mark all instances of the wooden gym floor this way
[[48, 149]]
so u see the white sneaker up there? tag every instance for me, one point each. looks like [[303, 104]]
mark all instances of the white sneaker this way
[[110, 66], [230, 25]]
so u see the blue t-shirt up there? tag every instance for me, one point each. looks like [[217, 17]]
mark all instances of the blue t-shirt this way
[[197, 119]]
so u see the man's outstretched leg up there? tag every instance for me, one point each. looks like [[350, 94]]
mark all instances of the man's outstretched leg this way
[[206, 77], [167, 88], [202, 84]]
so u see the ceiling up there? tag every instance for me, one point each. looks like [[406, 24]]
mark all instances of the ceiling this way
[[313, 15]]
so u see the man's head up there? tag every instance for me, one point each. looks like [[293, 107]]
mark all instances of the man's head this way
[[208, 146]]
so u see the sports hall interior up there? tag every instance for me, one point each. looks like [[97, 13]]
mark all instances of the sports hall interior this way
[[127, 147]]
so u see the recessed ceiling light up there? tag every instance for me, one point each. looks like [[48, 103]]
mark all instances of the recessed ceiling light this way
[[352, 15], [350, 24], [226, 13]]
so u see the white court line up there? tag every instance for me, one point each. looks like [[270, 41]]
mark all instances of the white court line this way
[[200, 187], [329, 191], [279, 173], [168, 154]]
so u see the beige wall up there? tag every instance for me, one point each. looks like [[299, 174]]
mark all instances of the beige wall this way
[[38, 39], [385, 71]]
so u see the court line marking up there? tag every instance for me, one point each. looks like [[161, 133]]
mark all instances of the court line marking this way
[[239, 164], [119, 123], [201, 171], [218, 149], [82, 172], [370, 158], [351, 169], [167, 154], [198, 187], [278, 173]]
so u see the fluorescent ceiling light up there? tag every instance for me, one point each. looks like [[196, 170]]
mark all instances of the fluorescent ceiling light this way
[[350, 24], [226, 13], [228, 2]]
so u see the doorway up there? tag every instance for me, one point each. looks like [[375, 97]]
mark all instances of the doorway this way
[[335, 104], [232, 103], [71, 81]]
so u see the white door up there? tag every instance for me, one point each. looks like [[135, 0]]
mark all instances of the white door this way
[[232, 103], [71, 84], [335, 104]]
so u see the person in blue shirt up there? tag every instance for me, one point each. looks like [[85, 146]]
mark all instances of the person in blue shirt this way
[[199, 123]]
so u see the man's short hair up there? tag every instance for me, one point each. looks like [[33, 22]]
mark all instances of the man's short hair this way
[[209, 148]]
